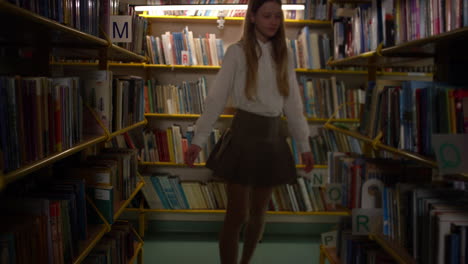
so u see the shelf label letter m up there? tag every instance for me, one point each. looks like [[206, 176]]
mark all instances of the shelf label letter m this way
[[121, 28]]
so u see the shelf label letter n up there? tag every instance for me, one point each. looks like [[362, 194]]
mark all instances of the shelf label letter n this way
[[121, 29]]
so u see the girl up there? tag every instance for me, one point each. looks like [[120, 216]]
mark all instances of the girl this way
[[258, 74]]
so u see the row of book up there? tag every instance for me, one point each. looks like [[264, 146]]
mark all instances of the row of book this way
[[165, 191], [116, 246], [354, 248], [326, 141], [362, 28], [313, 10], [356, 174], [311, 50], [185, 98], [169, 145], [84, 15], [118, 101], [324, 98], [182, 48], [407, 113], [39, 116]]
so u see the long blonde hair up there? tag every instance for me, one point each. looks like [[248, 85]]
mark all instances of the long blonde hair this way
[[279, 52]]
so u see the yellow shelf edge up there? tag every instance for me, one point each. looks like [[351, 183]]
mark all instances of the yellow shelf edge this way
[[91, 245], [406, 154], [127, 202], [121, 131], [402, 259], [346, 60], [137, 251], [217, 211], [128, 53], [17, 174], [328, 255]]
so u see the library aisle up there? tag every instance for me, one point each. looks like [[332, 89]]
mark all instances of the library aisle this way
[[202, 248]]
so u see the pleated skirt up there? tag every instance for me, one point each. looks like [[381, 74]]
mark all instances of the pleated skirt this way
[[257, 153]]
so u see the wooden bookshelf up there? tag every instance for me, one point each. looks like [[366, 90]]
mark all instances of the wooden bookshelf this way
[[232, 20], [34, 166], [391, 247], [413, 52], [202, 211], [405, 154], [173, 164], [95, 233], [329, 254]]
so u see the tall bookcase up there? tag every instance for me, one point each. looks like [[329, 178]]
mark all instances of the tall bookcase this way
[[446, 53], [42, 37]]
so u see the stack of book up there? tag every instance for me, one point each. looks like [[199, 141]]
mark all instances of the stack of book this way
[[165, 191], [182, 48], [324, 97], [39, 116], [185, 98], [407, 113], [362, 28], [311, 50]]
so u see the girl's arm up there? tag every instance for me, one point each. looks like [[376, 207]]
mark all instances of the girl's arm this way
[[217, 95], [294, 111]]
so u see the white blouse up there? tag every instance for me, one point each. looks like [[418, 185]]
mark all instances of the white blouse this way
[[230, 81]]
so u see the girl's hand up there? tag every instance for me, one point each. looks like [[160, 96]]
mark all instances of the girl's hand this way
[[308, 161], [191, 154]]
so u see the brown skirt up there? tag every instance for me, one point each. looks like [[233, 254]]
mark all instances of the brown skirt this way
[[257, 153]]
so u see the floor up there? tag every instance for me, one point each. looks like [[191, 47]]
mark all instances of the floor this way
[[182, 248]]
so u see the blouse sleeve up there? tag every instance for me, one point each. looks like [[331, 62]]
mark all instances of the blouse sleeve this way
[[217, 95], [294, 111]]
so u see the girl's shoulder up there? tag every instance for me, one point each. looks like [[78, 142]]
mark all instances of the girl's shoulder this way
[[236, 47]]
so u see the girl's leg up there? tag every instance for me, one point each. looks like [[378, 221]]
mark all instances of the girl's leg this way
[[237, 214], [259, 199]]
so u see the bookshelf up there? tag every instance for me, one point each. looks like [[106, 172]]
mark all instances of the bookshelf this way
[[23, 29], [442, 52]]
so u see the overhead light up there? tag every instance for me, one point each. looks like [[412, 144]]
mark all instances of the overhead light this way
[[206, 7]]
